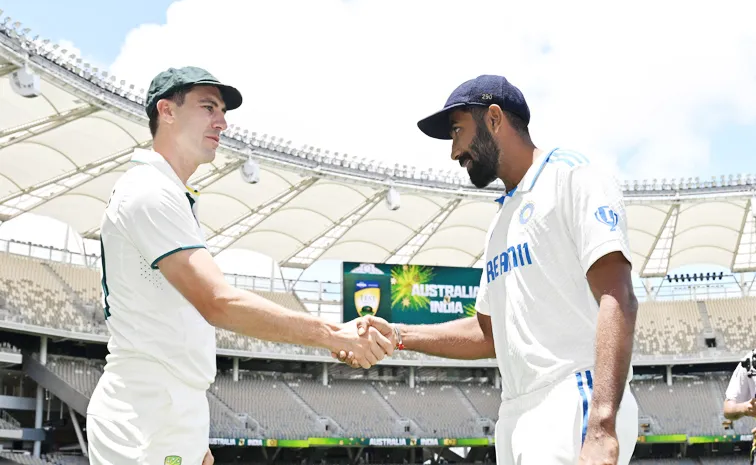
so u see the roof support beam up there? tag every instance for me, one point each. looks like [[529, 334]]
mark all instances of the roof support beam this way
[[199, 183], [478, 257], [20, 133], [744, 258], [313, 249], [39, 194], [215, 175], [7, 69], [236, 229], [409, 248], [657, 261]]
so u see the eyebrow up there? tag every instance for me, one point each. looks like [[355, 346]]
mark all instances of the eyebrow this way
[[212, 102]]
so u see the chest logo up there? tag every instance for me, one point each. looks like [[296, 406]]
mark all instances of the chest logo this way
[[514, 257], [527, 212]]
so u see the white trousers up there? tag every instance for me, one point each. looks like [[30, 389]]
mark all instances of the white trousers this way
[[145, 421], [547, 427]]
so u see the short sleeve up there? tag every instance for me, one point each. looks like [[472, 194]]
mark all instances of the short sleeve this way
[[481, 300], [595, 214], [160, 222], [738, 390]]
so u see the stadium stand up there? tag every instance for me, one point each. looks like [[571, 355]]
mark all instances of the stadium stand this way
[[297, 406], [24, 459], [421, 404], [485, 398], [668, 328], [733, 319], [29, 287], [270, 402], [354, 405], [79, 373]]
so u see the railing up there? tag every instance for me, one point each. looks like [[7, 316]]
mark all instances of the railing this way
[[9, 419], [45, 252], [319, 296]]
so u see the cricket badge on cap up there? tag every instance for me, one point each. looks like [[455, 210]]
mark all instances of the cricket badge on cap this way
[[527, 212], [607, 216], [172, 460]]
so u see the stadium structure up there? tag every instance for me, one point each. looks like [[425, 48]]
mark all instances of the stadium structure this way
[[67, 131]]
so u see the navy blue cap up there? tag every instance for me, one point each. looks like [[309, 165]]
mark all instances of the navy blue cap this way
[[484, 90]]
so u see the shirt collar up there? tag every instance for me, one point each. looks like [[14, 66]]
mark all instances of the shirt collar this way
[[154, 159], [531, 176]]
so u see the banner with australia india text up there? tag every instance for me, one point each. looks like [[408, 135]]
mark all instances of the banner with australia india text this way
[[411, 294]]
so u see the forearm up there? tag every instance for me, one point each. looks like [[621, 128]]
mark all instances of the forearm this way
[[459, 339], [734, 410], [251, 315], [614, 346]]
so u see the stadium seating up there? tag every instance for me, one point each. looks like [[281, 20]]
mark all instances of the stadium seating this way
[[64, 296], [24, 459], [485, 398], [353, 405], [733, 320], [672, 327], [436, 408], [81, 374], [268, 401]]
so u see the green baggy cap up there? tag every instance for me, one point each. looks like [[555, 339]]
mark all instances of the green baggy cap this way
[[173, 79]]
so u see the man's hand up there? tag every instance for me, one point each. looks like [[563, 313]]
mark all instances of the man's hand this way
[[748, 408], [364, 324], [209, 459], [601, 447], [364, 344]]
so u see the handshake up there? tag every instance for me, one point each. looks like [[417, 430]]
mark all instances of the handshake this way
[[363, 342]]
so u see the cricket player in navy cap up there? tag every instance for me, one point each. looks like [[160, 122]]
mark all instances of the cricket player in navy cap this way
[[556, 305]]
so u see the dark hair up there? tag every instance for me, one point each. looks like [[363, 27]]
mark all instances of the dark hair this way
[[518, 124], [177, 97]]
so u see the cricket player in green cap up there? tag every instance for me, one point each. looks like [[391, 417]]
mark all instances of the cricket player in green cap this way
[[163, 294]]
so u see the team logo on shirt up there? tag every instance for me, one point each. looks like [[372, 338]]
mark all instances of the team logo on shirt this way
[[607, 216], [172, 460], [527, 212]]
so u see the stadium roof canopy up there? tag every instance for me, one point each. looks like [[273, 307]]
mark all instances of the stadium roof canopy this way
[[61, 152]]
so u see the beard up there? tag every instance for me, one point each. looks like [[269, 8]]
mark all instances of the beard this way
[[484, 154]]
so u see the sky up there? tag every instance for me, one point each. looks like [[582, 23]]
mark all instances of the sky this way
[[654, 89]]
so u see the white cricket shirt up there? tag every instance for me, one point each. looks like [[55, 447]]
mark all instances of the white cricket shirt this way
[[150, 215], [563, 216], [741, 387]]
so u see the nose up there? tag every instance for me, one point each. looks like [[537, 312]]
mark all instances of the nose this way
[[456, 152], [220, 122]]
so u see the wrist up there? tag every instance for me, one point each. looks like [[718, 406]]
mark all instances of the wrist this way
[[398, 336], [602, 417], [329, 337], [743, 408]]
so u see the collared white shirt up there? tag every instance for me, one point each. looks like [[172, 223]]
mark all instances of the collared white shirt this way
[[152, 214], [540, 245], [741, 387]]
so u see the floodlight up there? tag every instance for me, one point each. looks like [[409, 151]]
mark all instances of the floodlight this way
[[25, 83], [250, 171], [393, 200]]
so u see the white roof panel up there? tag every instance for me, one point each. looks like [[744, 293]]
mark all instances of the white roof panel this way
[[61, 152]]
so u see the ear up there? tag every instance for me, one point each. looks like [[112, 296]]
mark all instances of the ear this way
[[166, 110], [495, 118]]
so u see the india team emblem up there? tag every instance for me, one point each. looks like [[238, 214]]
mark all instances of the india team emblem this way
[[367, 297], [172, 460], [527, 212], [607, 216]]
